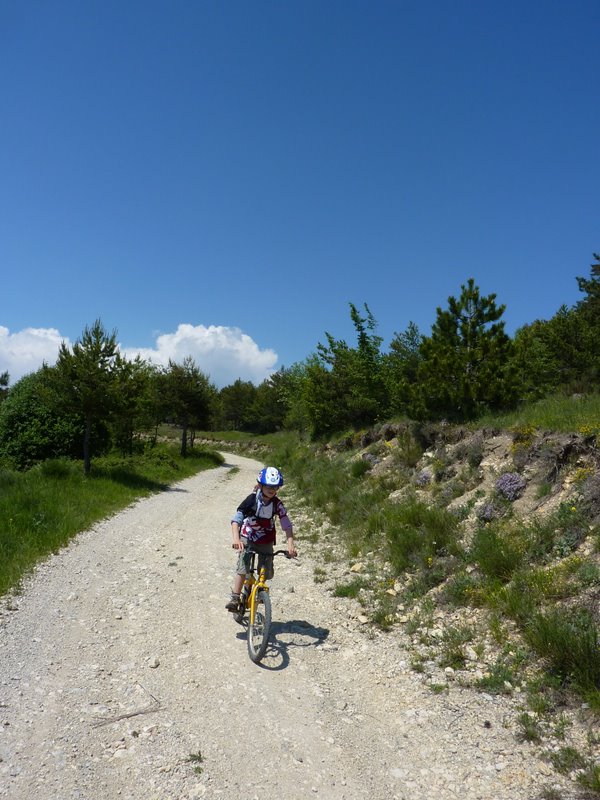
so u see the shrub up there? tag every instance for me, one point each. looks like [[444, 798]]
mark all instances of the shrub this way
[[359, 468], [464, 589], [590, 778], [453, 646], [516, 601], [498, 551], [415, 533], [423, 479], [350, 589], [59, 468], [570, 641], [567, 759], [489, 511], [495, 682], [529, 727]]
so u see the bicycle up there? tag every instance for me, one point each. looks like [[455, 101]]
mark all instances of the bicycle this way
[[255, 599]]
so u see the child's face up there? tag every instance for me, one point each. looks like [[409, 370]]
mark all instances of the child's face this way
[[268, 491]]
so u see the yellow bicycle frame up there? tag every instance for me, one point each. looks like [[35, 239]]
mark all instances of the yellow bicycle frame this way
[[255, 586]]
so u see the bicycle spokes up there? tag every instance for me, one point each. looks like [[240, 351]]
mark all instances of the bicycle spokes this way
[[259, 626]]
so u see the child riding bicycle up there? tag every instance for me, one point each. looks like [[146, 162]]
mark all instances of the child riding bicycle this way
[[253, 524]]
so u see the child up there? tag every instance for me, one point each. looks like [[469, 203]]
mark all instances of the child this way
[[254, 524]]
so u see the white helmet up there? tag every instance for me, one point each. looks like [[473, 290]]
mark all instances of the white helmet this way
[[270, 476]]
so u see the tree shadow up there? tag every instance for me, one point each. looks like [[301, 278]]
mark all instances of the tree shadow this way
[[130, 479], [133, 480], [284, 637]]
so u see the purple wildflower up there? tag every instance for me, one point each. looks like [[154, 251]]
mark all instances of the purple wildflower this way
[[510, 485], [423, 478], [487, 512]]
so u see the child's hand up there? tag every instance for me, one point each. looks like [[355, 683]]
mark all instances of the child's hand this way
[[292, 552], [237, 544]]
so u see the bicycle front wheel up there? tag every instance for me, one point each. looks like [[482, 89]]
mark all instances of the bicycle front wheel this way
[[260, 626]]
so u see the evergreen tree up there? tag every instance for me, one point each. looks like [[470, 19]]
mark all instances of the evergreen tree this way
[[589, 312], [570, 339], [236, 404], [134, 409], [289, 384], [4, 381], [267, 411], [84, 378], [590, 305], [345, 386], [401, 371], [536, 365], [189, 397], [466, 365]]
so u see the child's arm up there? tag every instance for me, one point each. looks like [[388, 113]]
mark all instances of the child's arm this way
[[292, 552], [237, 543], [286, 526], [236, 521]]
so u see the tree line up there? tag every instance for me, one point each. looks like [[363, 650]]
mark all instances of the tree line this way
[[94, 399]]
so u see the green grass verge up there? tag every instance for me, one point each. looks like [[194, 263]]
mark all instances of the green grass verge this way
[[561, 414], [42, 509]]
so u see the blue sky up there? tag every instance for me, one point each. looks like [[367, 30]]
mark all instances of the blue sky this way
[[222, 179]]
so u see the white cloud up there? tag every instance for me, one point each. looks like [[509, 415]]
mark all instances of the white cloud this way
[[224, 354], [25, 351]]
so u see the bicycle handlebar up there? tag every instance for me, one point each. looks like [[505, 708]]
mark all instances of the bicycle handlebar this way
[[285, 553]]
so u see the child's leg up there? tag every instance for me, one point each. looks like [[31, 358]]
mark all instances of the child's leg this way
[[238, 582], [266, 559]]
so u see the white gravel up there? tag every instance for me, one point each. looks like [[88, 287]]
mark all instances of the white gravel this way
[[119, 662]]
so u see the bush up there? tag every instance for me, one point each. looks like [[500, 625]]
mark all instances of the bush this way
[[570, 641], [498, 551], [59, 468], [417, 533], [464, 589], [34, 425], [359, 468]]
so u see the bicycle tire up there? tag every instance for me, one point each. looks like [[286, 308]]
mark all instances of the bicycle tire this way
[[260, 628]]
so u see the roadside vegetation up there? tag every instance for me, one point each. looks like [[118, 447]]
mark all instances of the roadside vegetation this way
[[481, 595], [44, 507]]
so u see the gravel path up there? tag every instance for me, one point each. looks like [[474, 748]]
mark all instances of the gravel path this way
[[122, 676]]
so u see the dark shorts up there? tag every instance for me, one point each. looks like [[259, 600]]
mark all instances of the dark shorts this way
[[264, 550]]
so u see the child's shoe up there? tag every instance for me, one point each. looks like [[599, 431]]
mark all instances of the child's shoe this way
[[234, 603]]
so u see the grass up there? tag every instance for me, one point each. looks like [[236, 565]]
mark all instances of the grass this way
[[530, 729], [197, 759], [569, 641], [350, 589], [43, 508], [499, 676], [453, 646], [561, 414]]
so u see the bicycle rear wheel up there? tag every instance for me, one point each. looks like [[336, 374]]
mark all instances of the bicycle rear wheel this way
[[260, 627]]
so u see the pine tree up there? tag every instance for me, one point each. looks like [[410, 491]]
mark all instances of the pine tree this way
[[466, 365], [84, 379]]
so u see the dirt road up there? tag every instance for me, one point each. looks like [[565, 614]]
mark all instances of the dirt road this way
[[122, 677]]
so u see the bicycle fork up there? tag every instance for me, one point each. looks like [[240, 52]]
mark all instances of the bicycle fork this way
[[258, 587]]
